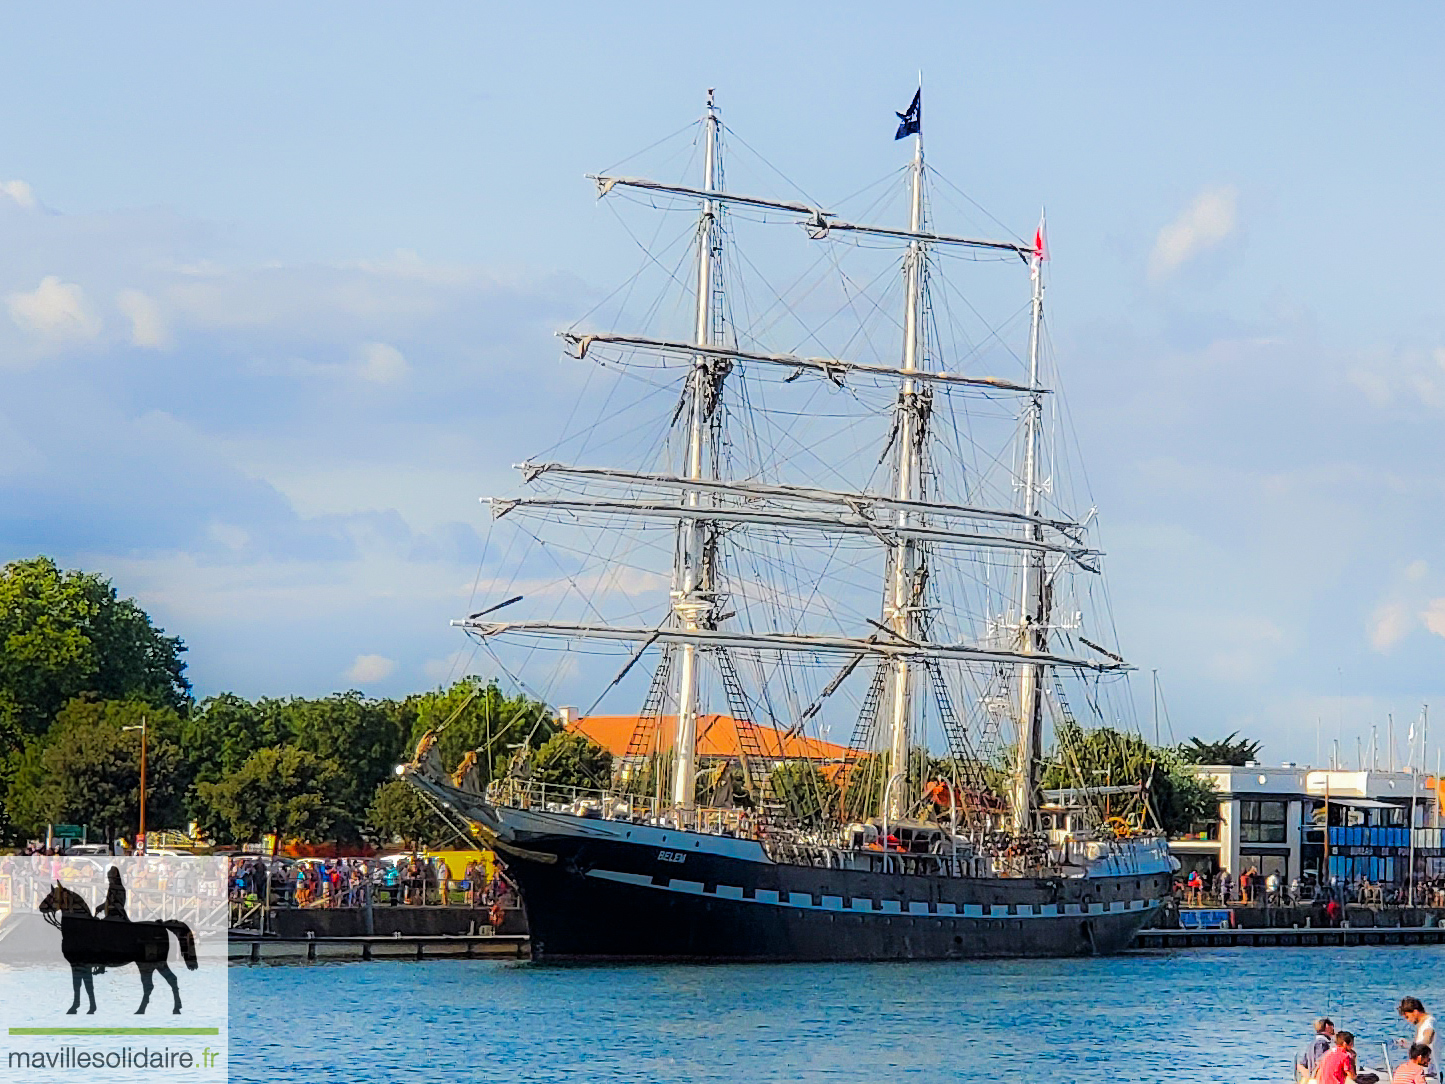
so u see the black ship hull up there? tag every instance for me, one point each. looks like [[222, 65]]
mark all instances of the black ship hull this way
[[671, 895]]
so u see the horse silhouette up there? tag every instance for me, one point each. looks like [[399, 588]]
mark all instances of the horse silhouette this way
[[91, 944]]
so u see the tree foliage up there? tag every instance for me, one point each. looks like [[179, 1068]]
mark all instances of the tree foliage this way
[[1231, 750], [359, 737], [1182, 799], [87, 771], [804, 791], [862, 789], [224, 731], [478, 716], [64, 634], [569, 759], [284, 790], [399, 812], [1105, 757], [77, 663]]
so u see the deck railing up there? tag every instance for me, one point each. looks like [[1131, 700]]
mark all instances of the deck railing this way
[[617, 806]]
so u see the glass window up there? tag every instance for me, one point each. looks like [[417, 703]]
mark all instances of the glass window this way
[[1262, 822]]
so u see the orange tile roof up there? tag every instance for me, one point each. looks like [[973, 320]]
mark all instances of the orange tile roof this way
[[717, 737]]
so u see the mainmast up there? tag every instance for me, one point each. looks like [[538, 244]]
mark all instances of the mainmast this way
[[1033, 615], [907, 562], [692, 573]]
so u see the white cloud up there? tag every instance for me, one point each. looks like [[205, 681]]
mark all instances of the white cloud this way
[[1210, 220], [1405, 375], [1389, 625], [147, 326], [381, 364], [1434, 616], [20, 192], [54, 310], [369, 668], [1416, 571]]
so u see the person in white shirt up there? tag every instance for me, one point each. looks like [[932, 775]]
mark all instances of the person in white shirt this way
[[1424, 1024]]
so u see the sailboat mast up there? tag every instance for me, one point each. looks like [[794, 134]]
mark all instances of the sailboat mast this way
[[906, 566], [689, 573], [1033, 619]]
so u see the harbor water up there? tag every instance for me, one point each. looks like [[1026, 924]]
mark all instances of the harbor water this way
[[1229, 1015]]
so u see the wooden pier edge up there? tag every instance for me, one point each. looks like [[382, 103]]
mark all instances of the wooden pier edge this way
[[252, 949], [244, 947], [1290, 936]]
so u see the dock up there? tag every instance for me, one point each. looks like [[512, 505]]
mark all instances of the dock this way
[[244, 947], [248, 948], [1292, 936]]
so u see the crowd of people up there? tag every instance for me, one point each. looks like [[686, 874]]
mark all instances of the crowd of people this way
[[414, 880], [1252, 888], [1329, 1057]]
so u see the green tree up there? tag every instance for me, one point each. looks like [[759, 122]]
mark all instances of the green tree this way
[[804, 791], [63, 634], [862, 788], [1232, 750], [359, 737], [399, 812], [1182, 799], [1105, 757], [223, 731], [568, 759], [473, 715], [284, 790], [87, 770]]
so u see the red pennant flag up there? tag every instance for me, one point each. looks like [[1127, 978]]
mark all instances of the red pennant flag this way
[[1039, 244]]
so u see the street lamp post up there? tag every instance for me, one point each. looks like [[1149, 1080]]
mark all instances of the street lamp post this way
[[141, 835]]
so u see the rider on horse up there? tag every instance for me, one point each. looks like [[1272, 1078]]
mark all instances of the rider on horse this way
[[114, 905]]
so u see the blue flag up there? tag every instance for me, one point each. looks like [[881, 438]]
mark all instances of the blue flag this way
[[911, 121]]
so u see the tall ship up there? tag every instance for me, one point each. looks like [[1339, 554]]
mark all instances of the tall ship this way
[[814, 508]]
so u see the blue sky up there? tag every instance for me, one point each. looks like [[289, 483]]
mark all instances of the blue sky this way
[[280, 283]]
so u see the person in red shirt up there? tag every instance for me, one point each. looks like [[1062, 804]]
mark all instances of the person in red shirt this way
[[1412, 1069], [1338, 1065]]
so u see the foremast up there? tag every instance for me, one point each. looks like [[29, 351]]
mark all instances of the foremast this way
[[907, 571], [692, 597], [1033, 606]]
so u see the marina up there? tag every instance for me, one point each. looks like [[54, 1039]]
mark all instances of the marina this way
[[760, 544]]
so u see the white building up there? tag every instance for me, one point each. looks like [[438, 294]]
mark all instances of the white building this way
[[1299, 822]]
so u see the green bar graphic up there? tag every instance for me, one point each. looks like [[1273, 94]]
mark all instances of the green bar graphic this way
[[115, 1031]]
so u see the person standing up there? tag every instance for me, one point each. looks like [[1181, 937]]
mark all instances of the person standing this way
[[1413, 1010], [1196, 888], [1308, 1059], [1338, 1065], [1333, 912]]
